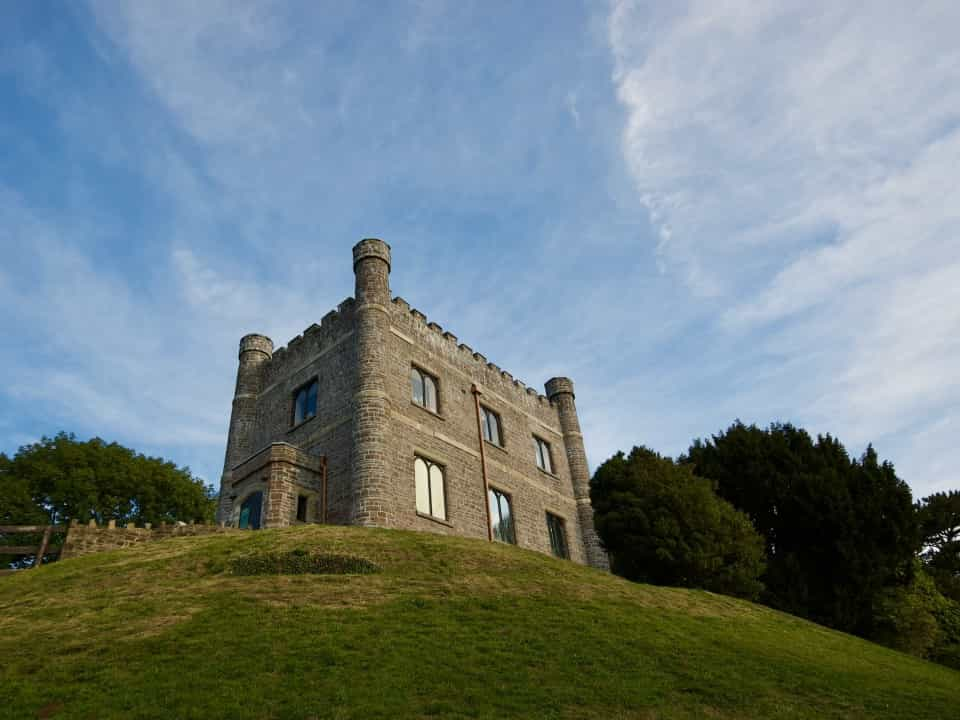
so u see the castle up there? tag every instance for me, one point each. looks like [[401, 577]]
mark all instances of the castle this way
[[378, 417]]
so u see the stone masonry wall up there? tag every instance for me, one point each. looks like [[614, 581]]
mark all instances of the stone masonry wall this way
[[326, 352], [449, 437], [86, 539]]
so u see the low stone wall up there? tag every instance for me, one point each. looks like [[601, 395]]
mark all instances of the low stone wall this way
[[87, 539]]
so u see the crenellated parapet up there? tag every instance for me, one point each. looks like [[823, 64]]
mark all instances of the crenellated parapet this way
[[333, 327], [447, 344]]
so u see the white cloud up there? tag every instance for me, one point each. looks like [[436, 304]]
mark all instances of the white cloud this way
[[799, 161]]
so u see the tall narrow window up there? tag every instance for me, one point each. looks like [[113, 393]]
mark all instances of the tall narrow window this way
[[558, 536], [305, 402], [490, 422], [501, 517], [423, 389], [541, 449], [302, 508], [431, 493]]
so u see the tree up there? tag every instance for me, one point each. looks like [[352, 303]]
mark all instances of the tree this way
[[60, 479], [663, 525], [837, 531], [939, 518]]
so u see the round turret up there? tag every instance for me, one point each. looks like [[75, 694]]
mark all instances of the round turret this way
[[258, 343], [559, 386], [371, 247]]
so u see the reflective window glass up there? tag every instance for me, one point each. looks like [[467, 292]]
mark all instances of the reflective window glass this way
[[437, 502], [490, 422], [423, 389], [305, 402], [430, 393], [541, 449], [421, 475], [558, 536], [416, 384], [431, 493], [501, 517]]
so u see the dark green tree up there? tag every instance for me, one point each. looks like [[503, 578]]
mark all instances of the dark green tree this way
[[61, 478], [939, 517], [837, 530], [663, 525]]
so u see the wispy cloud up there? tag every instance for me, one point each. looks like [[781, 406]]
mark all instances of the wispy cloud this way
[[800, 163], [698, 211]]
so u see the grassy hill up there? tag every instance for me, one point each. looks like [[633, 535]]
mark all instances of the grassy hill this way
[[449, 628]]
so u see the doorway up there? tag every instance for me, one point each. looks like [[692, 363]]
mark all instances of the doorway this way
[[250, 511]]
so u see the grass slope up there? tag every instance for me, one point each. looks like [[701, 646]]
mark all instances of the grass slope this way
[[450, 628]]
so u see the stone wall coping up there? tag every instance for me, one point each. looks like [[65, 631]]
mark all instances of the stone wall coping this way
[[278, 452]]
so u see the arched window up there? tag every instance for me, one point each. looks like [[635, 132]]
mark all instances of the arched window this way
[[541, 449], [431, 492], [423, 389], [490, 422], [501, 517]]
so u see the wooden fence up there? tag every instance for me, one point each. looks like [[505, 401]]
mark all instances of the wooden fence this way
[[41, 550]]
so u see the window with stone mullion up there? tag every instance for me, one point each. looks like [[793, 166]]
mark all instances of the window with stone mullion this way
[[491, 426], [430, 489], [423, 389]]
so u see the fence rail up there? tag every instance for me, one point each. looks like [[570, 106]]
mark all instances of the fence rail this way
[[40, 551]]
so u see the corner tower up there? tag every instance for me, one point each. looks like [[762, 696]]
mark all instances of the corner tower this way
[[255, 352], [371, 419], [560, 392]]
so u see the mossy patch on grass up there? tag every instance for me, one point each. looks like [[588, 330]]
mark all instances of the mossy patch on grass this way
[[301, 562]]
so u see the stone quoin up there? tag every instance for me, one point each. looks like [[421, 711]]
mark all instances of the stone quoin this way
[[379, 417]]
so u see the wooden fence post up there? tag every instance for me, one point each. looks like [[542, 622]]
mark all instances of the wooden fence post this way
[[43, 546]]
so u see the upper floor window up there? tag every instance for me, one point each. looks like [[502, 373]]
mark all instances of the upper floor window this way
[[424, 389], [305, 402], [542, 450], [431, 493], [558, 536], [501, 516], [490, 422]]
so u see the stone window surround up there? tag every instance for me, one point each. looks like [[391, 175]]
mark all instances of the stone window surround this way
[[493, 487], [538, 440], [293, 402], [433, 375], [563, 526], [432, 459], [502, 445]]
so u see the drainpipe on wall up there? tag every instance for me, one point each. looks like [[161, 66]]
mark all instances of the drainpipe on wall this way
[[483, 462]]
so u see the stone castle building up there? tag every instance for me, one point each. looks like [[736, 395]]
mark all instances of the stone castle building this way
[[378, 417]]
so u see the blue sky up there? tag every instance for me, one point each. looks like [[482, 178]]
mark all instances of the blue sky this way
[[699, 211]]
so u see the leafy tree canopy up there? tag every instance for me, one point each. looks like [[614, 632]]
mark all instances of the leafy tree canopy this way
[[837, 530], [663, 525], [939, 517], [61, 478]]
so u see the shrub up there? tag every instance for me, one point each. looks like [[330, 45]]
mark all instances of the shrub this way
[[301, 562]]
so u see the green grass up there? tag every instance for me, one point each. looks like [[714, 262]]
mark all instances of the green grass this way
[[449, 628]]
